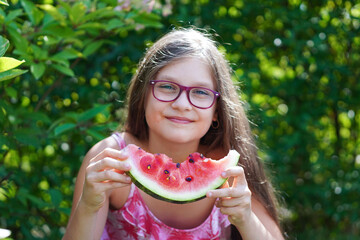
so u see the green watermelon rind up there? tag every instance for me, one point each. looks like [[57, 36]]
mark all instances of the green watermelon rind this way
[[148, 186]]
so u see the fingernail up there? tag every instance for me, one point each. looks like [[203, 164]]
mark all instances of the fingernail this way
[[209, 194], [223, 174]]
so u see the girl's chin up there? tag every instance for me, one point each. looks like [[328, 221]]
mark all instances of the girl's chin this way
[[180, 136]]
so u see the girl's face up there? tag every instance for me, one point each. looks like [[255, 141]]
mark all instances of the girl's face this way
[[179, 121]]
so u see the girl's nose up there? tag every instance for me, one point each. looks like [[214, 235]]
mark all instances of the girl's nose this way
[[182, 102]]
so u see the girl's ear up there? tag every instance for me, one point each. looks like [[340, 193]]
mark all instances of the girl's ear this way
[[215, 117]]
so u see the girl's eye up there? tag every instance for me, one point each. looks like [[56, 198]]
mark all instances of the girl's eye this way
[[167, 87], [201, 92]]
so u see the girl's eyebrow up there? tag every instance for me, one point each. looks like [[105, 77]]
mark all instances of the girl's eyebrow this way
[[178, 80]]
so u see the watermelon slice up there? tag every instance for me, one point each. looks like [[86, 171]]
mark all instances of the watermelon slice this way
[[159, 176]]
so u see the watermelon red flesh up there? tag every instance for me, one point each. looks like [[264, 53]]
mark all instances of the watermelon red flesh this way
[[159, 176]]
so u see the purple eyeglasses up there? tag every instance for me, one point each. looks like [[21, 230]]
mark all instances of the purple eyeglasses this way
[[167, 91]]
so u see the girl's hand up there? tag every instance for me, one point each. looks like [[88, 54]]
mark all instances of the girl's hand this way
[[104, 172], [234, 200]]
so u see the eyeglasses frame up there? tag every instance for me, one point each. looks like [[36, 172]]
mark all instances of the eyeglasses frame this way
[[182, 88]]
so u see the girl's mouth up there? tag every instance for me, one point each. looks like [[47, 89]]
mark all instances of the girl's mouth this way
[[181, 120]]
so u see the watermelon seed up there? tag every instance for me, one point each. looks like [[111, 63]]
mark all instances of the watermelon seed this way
[[149, 166], [166, 171], [201, 155], [188, 179], [191, 160], [178, 165]]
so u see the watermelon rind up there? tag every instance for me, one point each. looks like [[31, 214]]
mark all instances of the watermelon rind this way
[[152, 188]]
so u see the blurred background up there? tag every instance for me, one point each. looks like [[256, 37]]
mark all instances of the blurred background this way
[[296, 64]]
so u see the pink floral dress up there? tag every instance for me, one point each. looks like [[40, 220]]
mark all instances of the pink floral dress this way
[[135, 221]]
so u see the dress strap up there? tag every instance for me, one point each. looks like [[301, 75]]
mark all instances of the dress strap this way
[[119, 139]]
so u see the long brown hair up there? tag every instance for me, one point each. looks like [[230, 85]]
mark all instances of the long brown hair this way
[[234, 129]]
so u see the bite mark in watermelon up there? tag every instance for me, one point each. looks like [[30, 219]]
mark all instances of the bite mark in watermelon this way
[[160, 177]]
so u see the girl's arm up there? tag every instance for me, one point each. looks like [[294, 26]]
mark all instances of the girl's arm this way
[[94, 183], [245, 212]]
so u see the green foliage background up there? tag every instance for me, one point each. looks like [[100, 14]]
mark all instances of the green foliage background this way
[[296, 62]]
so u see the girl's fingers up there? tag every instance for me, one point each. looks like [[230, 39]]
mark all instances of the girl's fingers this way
[[232, 202], [111, 153], [225, 192], [239, 184], [237, 173], [108, 163], [109, 176]]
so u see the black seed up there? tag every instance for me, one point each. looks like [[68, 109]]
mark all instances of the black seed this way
[[191, 160], [188, 179], [148, 166], [178, 165], [139, 148], [166, 171], [201, 155]]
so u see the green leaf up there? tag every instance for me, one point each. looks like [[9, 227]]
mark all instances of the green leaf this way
[[11, 92], [78, 10], [68, 53], [11, 74], [38, 116], [54, 12], [34, 14], [95, 134], [4, 2], [4, 45], [56, 30], [39, 203], [21, 43], [92, 25], [28, 136], [22, 195], [65, 70], [87, 115], [63, 128], [65, 5], [13, 15], [37, 69], [3, 141], [39, 53], [99, 14], [114, 23], [92, 47], [7, 63], [62, 61], [56, 197], [148, 19]]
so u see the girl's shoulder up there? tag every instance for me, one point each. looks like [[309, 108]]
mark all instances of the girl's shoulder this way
[[109, 142], [131, 139], [113, 141]]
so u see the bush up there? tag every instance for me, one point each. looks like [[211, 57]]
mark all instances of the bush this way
[[296, 63]]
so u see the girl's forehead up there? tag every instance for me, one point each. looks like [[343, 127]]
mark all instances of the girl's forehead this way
[[188, 70]]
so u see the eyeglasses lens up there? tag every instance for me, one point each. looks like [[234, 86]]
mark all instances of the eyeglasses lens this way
[[168, 91]]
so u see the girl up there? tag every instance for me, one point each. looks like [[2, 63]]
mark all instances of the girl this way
[[181, 100]]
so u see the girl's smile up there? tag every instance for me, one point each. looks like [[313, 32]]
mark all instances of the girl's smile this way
[[181, 120]]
